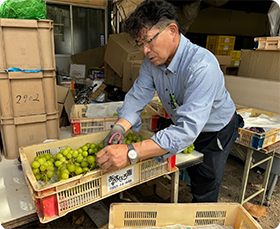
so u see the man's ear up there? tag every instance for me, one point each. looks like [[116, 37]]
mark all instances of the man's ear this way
[[173, 29]]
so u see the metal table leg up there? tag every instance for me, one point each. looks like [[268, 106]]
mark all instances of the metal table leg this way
[[272, 186], [247, 168], [266, 177], [246, 174], [175, 187]]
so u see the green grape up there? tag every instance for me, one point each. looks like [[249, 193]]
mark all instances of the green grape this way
[[65, 152], [69, 155], [75, 153], [85, 153], [78, 170], [38, 176], [88, 145], [50, 168], [79, 158], [62, 167], [100, 145], [46, 164], [92, 145], [129, 136], [77, 164], [63, 159], [84, 148], [47, 156], [50, 163], [64, 175], [128, 141], [96, 150], [84, 164], [58, 173], [80, 150], [134, 138], [65, 171], [49, 174], [36, 171], [58, 156], [36, 158], [58, 163], [90, 151], [90, 159], [43, 168], [86, 169], [41, 161], [138, 139], [68, 148], [35, 164], [71, 168]]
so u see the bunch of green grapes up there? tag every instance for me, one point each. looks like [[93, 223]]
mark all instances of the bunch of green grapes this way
[[189, 149], [43, 167], [70, 162], [132, 138]]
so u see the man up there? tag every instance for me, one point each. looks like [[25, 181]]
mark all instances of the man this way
[[191, 87]]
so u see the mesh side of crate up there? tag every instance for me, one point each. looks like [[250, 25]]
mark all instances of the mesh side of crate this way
[[152, 168], [79, 195], [92, 127], [246, 138], [53, 151], [245, 225], [140, 223], [210, 217], [209, 221]]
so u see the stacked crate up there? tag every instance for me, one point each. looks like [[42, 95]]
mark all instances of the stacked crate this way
[[235, 58], [220, 45], [28, 97]]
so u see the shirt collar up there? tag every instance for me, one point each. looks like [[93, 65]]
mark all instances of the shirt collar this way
[[174, 64]]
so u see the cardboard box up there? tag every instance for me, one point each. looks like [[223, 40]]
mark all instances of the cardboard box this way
[[229, 70], [93, 57], [130, 73], [27, 44], [27, 130], [65, 100], [255, 93], [111, 77], [223, 60], [23, 94], [120, 48], [260, 64], [78, 71]]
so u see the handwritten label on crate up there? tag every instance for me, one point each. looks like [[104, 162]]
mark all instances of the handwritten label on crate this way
[[120, 178], [27, 98]]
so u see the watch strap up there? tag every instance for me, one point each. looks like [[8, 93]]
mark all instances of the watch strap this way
[[130, 146]]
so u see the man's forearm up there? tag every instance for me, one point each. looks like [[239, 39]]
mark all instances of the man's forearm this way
[[148, 149], [126, 124]]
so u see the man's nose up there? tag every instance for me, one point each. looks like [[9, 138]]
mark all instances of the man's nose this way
[[146, 50]]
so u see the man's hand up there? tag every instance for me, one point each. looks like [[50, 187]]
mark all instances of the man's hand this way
[[117, 128], [113, 157]]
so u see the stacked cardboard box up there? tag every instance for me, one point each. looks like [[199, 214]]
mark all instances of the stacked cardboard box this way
[[220, 45], [28, 101], [235, 58]]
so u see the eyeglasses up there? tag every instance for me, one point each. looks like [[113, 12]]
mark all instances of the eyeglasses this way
[[147, 43]]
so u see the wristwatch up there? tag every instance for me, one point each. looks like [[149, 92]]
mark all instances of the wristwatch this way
[[132, 154]]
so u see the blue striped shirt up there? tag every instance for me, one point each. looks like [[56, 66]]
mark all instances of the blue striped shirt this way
[[195, 78]]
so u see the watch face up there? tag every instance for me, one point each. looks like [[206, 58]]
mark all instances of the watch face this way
[[132, 154]]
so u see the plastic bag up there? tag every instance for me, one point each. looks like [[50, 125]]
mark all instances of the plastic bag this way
[[23, 9], [274, 19]]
